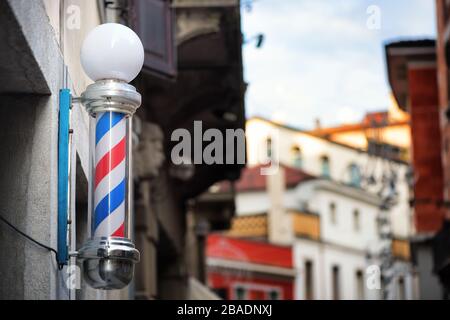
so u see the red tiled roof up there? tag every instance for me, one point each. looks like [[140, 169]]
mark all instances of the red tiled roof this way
[[370, 120], [376, 118], [218, 246], [252, 179]]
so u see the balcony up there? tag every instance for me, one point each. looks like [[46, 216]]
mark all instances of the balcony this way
[[254, 226], [401, 249], [306, 225]]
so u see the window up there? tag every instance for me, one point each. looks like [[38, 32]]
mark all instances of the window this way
[[356, 220], [333, 217], [355, 175], [309, 282], [239, 293], [274, 295], [297, 159], [401, 289], [360, 285], [153, 21], [377, 226], [335, 282], [383, 286], [325, 162], [221, 292], [269, 151]]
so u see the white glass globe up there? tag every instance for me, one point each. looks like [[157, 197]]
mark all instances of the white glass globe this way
[[112, 51]]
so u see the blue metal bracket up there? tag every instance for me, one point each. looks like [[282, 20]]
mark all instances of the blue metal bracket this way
[[63, 175]]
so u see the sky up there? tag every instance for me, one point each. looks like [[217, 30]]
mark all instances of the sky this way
[[324, 59]]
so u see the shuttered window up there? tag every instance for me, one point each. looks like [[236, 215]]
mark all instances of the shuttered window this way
[[153, 21]]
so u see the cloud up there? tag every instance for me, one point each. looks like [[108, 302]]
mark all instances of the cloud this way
[[320, 59]]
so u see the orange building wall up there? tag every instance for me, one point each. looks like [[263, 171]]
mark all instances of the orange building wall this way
[[426, 148], [443, 21]]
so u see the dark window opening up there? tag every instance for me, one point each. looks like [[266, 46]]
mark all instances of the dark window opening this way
[[336, 283], [309, 282], [297, 159], [239, 293], [325, 162], [274, 295], [221, 292], [269, 146], [360, 285]]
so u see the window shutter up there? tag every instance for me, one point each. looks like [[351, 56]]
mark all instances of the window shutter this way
[[153, 21]]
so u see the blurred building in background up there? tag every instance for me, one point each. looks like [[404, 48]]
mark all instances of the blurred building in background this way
[[192, 71], [340, 208], [388, 130], [442, 239], [418, 74], [413, 78]]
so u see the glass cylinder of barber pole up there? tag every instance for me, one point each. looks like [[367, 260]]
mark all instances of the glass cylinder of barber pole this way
[[110, 185]]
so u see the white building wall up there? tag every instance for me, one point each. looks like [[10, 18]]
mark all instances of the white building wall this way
[[257, 202], [343, 231], [303, 251], [324, 257], [341, 244]]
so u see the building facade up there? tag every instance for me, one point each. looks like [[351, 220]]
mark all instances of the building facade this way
[[348, 225], [412, 75], [374, 172], [341, 261], [418, 74]]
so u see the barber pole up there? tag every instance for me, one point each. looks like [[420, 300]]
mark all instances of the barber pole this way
[[110, 178], [112, 55]]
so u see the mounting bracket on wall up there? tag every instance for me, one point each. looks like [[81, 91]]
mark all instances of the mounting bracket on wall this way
[[65, 105]]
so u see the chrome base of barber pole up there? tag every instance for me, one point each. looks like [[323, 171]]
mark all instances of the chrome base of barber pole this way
[[108, 263]]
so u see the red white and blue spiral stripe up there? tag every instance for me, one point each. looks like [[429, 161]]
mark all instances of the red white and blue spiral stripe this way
[[110, 175]]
